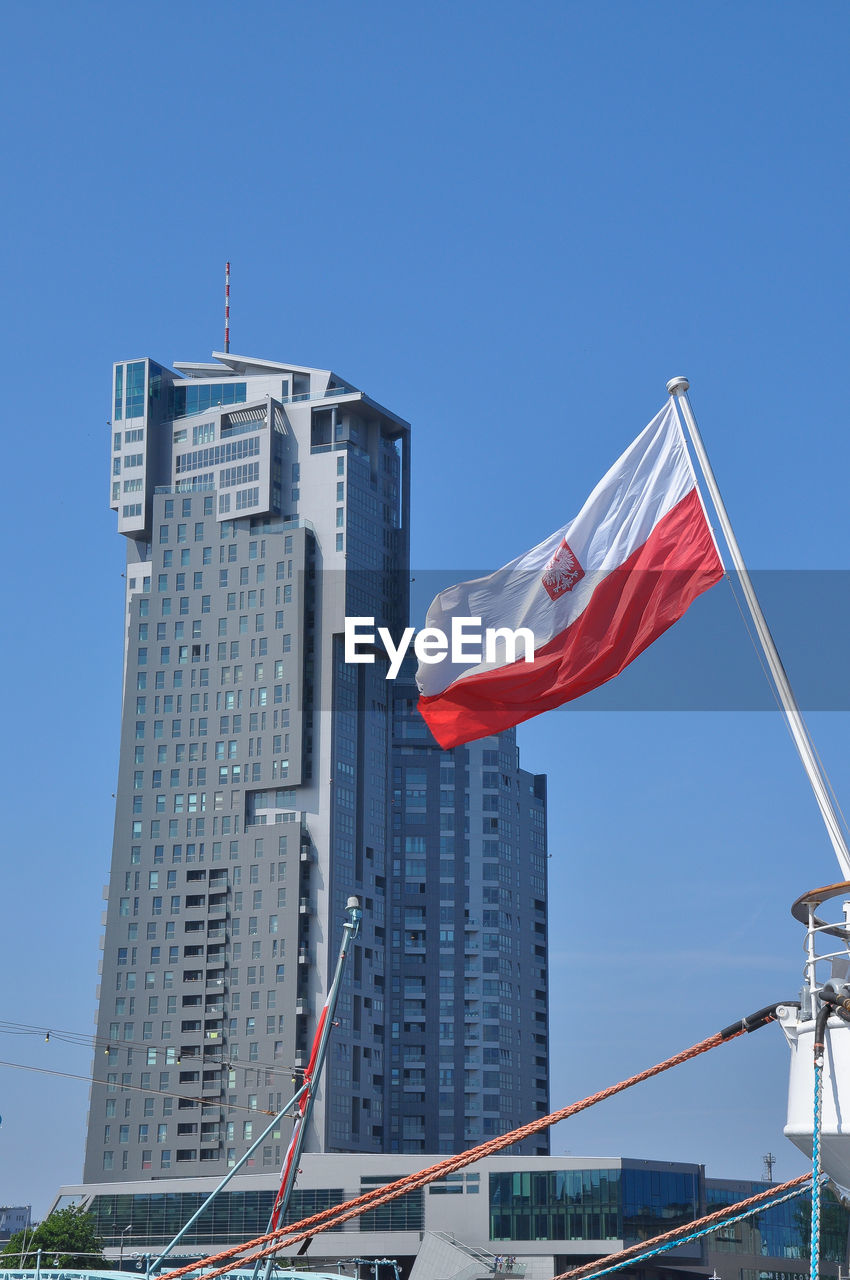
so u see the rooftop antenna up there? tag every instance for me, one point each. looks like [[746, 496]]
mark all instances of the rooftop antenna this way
[[769, 1162], [227, 306]]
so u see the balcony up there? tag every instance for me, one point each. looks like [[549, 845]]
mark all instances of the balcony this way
[[185, 486], [303, 1007], [327, 394], [305, 955], [306, 907]]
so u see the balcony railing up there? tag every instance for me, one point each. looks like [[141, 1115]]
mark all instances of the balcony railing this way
[[184, 487], [319, 395]]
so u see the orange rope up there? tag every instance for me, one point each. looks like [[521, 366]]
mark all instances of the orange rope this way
[[328, 1219], [719, 1216]]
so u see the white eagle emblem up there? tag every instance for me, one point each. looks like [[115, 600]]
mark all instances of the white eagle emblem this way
[[562, 572]]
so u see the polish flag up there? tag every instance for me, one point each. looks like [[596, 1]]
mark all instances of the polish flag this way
[[595, 595]]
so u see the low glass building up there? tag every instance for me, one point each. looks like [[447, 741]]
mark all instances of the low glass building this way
[[545, 1213]]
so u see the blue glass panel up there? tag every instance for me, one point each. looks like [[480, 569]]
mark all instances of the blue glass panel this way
[[119, 392], [655, 1200], [782, 1231], [189, 399], [134, 404], [562, 1204]]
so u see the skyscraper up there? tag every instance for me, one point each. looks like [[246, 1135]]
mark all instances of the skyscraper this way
[[262, 503], [467, 1004]]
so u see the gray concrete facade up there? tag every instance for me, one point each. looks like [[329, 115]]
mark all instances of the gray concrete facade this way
[[262, 503]]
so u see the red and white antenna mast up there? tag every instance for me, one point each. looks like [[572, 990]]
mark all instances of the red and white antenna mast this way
[[227, 306]]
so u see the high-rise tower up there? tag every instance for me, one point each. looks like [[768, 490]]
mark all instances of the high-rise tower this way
[[263, 780], [261, 502], [467, 1050]]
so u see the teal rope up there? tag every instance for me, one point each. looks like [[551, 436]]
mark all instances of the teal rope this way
[[816, 1174], [694, 1235]]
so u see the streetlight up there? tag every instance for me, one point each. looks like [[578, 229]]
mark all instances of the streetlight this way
[[129, 1227]]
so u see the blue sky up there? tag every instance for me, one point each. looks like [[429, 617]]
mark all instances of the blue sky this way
[[511, 224]]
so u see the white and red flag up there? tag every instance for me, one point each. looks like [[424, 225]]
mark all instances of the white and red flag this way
[[595, 594]]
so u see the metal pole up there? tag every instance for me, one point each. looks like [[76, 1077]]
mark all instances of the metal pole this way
[[38, 1265], [349, 933], [231, 1174], [227, 306], [678, 388], [129, 1227]]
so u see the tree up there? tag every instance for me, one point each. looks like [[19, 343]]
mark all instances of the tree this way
[[67, 1236]]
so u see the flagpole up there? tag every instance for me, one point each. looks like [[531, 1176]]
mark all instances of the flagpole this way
[[317, 1060], [152, 1266], [678, 389]]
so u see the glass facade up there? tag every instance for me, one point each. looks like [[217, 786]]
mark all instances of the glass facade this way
[[156, 1218], [404, 1214], [239, 1215], [119, 393], [197, 399], [563, 1204], [468, 986], [656, 1200], [780, 1232], [591, 1204], [134, 405]]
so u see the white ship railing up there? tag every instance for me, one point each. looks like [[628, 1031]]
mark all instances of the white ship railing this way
[[822, 934]]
